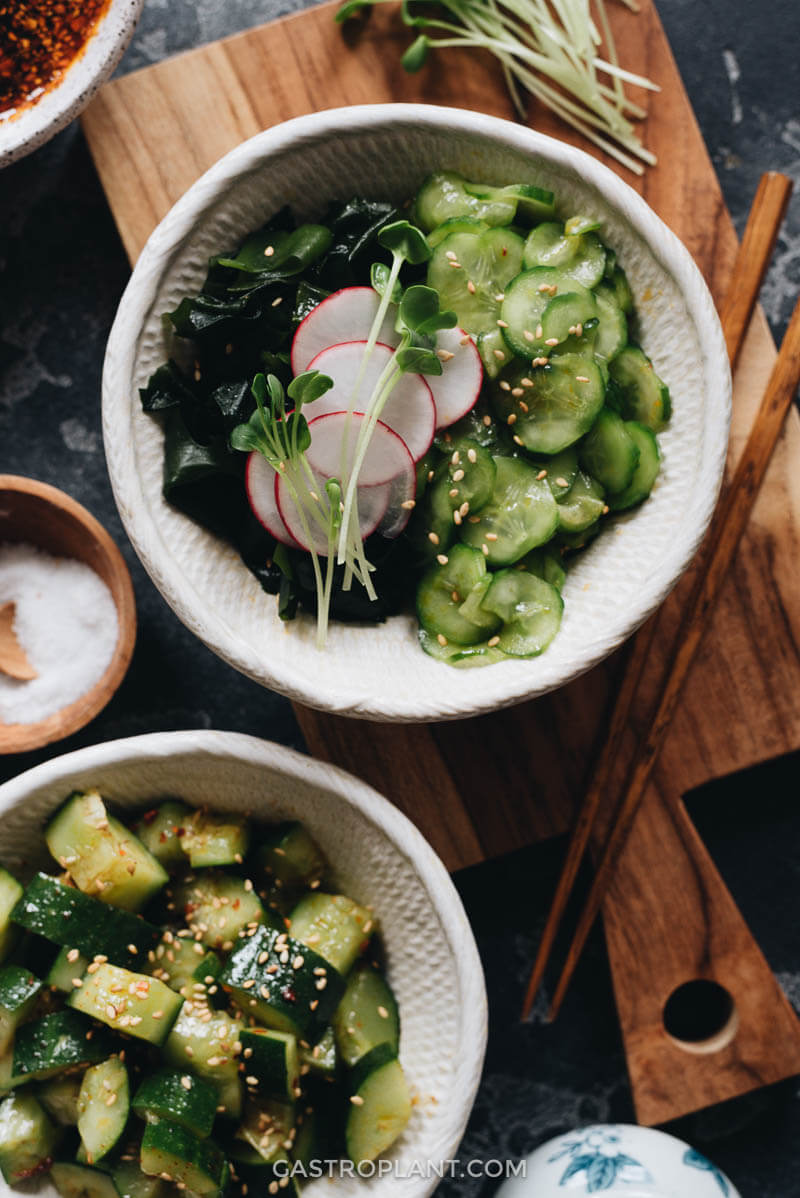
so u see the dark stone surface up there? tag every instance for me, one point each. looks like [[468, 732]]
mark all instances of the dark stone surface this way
[[62, 271]]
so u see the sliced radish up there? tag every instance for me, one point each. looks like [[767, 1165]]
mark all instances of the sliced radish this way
[[260, 483], [346, 315], [372, 502], [457, 388], [387, 457], [410, 410]]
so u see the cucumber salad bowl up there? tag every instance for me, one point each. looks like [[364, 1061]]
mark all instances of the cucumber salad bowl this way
[[499, 352], [225, 968]]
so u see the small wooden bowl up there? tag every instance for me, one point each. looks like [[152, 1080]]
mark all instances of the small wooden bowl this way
[[37, 514]]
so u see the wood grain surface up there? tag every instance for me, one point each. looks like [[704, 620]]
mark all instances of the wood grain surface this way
[[480, 787]]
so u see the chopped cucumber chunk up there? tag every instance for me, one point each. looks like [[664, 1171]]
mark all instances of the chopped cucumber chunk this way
[[335, 926], [384, 1109], [521, 514], [181, 1097], [59, 1097], [215, 839], [168, 1148], [133, 1003], [27, 1138], [161, 831], [206, 1046], [292, 857], [103, 1106], [101, 855], [10, 894], [18, 991], [219, 906], [444, 597], [367, 1015], [74, 1179], [64, 1040], [271, 1063]]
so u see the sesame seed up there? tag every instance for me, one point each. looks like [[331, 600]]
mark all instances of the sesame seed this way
[[485, 549], [581, 378], [492, 641], [248, 885], [501, 357], [442, 559], [526, 382], [487, 420], [539, 331], [408, 504], [132, 949], [551, 341], [111, 1011], [528, 335], [263, 957], [453, 492], [321, 984], [454, 595], [356, 1100], [251, 1080], [444, 355], [462, 511], [297, 963], [269, 251], [512, 418], [542, 474], [523, 406], [504, 386], [451, 254], [441, 639], [491, 536], [458, 475], [456, 517], [500, 297], [248, 985], [517, 391], [471, 287], [474, 520], [384, 1014], [606, 509], [539, 362], [472, 455], [278, 300], [73, 955], [312, 1006], [433, 538], [456, 457], [186, 1082], [517, 440], [502, 324], [561, 482], [157, 1015], [465, 340]]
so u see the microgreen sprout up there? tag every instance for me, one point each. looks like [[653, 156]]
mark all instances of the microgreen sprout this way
[[552, 48], [282, 437]]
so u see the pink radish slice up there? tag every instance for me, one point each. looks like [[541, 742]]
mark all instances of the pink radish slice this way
[[457, 388], [346, 315], [260, 483], [372, 505], [386, 458], [410, 410]]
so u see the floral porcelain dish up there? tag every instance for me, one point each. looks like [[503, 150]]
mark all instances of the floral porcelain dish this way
[[380, 672], [621, 1160]]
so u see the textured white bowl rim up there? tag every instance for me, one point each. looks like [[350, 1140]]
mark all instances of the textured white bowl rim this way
[[390, 824], [325, 689], [40, 121]]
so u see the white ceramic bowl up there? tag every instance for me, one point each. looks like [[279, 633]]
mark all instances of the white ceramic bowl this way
[[379, 672], [37, 123], [378, 856], [622, 1161]]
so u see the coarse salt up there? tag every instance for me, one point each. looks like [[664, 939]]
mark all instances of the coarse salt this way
[[66, 622]]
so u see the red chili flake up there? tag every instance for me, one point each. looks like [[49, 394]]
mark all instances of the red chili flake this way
[[288, 993], [39, 39], [150, 815]]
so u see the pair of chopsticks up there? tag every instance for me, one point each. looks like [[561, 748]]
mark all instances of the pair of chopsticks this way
[[727, 527]]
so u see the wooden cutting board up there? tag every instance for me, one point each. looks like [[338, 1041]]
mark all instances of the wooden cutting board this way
[[480, 787]]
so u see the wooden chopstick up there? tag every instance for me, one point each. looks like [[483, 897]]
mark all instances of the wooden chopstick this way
[[766, 217]]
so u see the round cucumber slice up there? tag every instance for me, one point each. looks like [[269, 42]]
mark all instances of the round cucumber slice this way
[[612, 329], [445, 196], [559, 404], [582, 506], [456, 224], [561, 470], [530, 609], [609, 453], [521, 514], [642, 395], [441, 595], [580, 256], [469, 271], [461, 657], [527, 299], [646, 471]]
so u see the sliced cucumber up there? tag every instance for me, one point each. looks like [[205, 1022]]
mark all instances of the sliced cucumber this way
[[64, 1040], [622, 290], [74, 1179], [456, 224], [447, 196], [283, 983], [168, 1148], [583, 505], [27, 1138], [215, 839], [562, 403], [470, 270], [18, 991], [580, 256], [465, 480], [266, 1126], [566, 314], [528, 298], [208, 1047], [643, 396], [530, 609], [132, 1183], [271, 1063], [561, 470], [10, 894], [547, 565], [185, 1099], [292, 857], [129, 1002], [161, 831], [219, 907], [462, 657], [59, 1097], [612, 329], [176, 960], [335, 926], [68, 917], [103, 857], [445, 590], [67, 966], [522, 514], [646, 471], [380, 1105], [103, 1108], [366, 1016], [609, 453], [323, 1058]]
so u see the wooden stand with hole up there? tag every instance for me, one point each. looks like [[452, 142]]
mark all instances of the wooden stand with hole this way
[[480, 787]]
